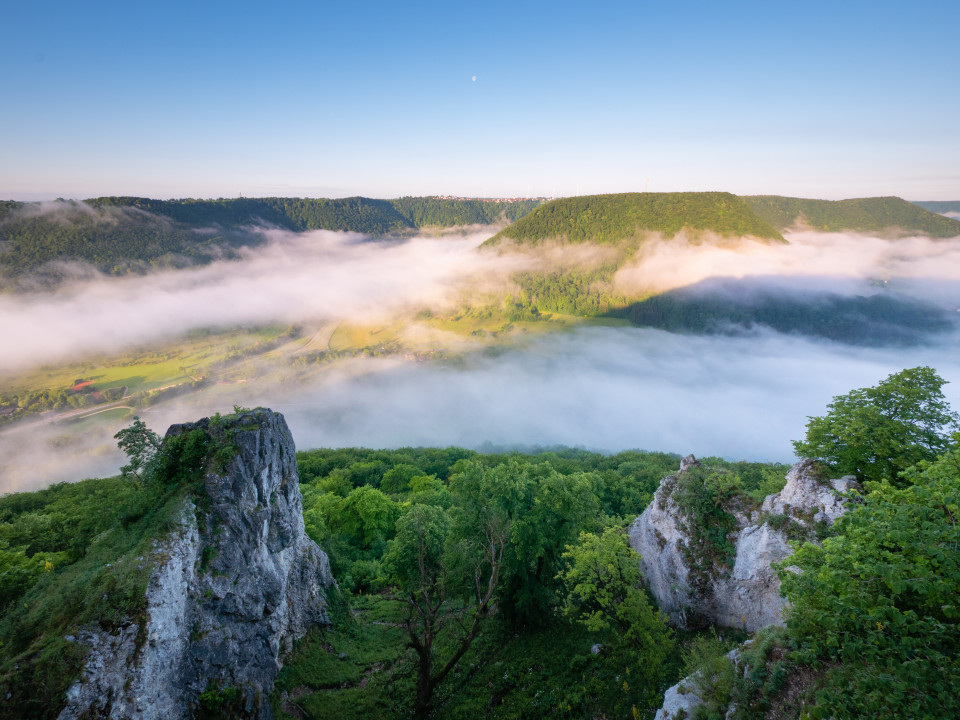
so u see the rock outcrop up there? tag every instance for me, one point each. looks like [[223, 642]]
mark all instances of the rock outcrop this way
[[681, 701], [744, 594], [234, 584]]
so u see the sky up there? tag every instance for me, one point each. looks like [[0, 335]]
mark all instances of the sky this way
[[213, 99]]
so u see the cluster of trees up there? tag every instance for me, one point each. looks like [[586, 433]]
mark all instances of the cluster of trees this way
[[572, 291], [14, 405], [860, 215], [625, 217], [477, 544], [879, 319], [873, 625], [356, 214]]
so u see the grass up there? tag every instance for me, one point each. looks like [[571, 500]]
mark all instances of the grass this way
[[148, 367]]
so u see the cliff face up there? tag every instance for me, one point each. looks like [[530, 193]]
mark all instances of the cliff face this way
[[235, 583], [746, 594]]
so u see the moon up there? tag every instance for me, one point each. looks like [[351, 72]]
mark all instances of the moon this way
[[473, 79]]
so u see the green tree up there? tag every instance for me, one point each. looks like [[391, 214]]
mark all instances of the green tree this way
[[605, 592], [877, 433], [880, 601], [140, 444], [544, 511], [418, 562]]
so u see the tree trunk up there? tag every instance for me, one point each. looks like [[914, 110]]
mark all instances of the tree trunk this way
[[425, 684]]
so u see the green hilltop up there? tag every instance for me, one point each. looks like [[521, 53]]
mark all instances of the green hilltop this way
[[880, 214], [612, 219]]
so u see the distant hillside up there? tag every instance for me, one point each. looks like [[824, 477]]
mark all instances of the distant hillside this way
[[118, 234], [355, 214], [725, 306], [611, 219], [939, 206], [859, 215]]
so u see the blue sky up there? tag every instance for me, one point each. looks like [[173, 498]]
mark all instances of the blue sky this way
[[205, 99]]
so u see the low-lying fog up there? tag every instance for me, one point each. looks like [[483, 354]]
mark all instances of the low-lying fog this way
[[606, 388]]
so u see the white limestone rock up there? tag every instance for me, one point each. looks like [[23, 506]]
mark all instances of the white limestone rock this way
[[746, 595], [233, 586]]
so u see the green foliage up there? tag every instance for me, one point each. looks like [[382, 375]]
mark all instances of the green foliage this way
[[216, 702], [415, 561], [140, 444], [605, 592], [182, 458], [717, 307], [572, 291], [613, 219], [938, 206], [706, 497], [99, 540], [711, 672], [537, 672], [104, 586], [544, 512], [433, 212], [861, 214], [119, 235], [397, 479], [622, 484], [877, 433], [878, 601]]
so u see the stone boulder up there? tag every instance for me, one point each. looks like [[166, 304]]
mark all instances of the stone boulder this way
[[746, 594], [234, 585]]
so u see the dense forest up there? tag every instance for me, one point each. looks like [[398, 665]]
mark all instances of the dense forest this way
[[718, 306], [880, 214], [123, 234], [565, 628], [939, 206], [627, 217]]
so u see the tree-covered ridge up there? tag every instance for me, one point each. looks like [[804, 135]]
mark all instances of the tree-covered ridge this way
[[939, 206], [355, 214], [614, 219], [117, 234], [723, 306], [114, 239], [861, 215]]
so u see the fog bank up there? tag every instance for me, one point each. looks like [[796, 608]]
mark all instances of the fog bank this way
[[601, 388], [838, 262], [293, 277]]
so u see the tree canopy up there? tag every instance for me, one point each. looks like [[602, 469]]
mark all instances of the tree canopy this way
[[876, 433], [879, 601]]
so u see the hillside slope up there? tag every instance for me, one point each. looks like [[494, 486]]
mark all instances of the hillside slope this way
[[939, 206], [613, 219], [119, 234], [880, 214]]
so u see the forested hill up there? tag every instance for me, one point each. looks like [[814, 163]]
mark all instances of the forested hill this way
[[939, 206], [612, 219], [879, 214], [116, 234], [355, 214]]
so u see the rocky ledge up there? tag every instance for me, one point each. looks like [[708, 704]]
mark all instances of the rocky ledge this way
[[744, 594], [234, 584]]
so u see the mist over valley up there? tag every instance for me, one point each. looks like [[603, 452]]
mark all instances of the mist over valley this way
[[666, 337]]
